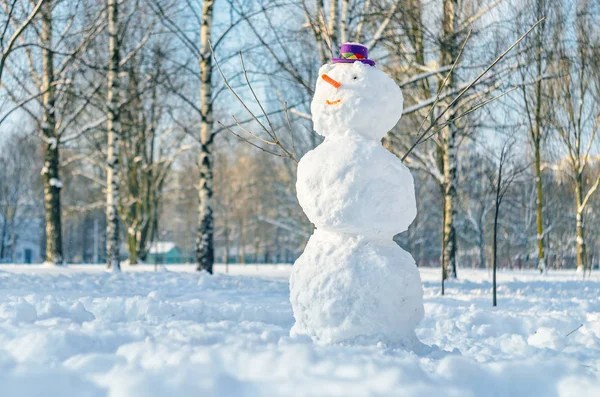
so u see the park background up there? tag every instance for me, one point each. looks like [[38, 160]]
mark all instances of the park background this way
[[115, 121]]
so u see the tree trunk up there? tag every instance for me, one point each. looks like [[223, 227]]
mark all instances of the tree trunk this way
[[3, 238], [344, 22], [226, 236], [539, 207], [50, 172], [481, 247], [205, 254], [242, 245], [132, 246], [52, 207], [536, 136], [256, 249], [448, 55], [13, 244], [580, 226], [443, 251], [449, 202], [333, 24], [495, 253], [495, 233], [114, 133], [319, 29]]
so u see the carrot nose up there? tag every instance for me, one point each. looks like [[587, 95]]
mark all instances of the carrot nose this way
[[330, 81]]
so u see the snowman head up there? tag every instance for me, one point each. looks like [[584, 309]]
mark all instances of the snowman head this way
[[355, 98]]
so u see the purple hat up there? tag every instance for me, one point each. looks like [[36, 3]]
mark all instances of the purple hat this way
[[352, 52]]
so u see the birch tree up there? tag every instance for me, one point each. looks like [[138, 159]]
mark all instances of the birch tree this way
[[150, 145], [172, 17], [113, 136], [205, 251], [438, 157], [575, 99], [198, 22], [46, 91], [534, 75]]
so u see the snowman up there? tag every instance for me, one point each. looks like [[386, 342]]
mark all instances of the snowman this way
[[353, 283]]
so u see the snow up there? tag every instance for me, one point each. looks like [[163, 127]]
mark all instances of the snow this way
[[78, 331], [352, 283], [56, 183]]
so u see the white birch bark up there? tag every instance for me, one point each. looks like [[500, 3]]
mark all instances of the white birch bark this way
[[113, 135], [205, 254]]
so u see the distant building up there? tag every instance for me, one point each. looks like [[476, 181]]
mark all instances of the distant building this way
[[28, 252], [27, 243], [164, 252]]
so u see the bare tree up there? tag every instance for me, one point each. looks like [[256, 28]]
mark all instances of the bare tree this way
[[172, 17], [475, 199], [507, 172], [150, 145], [576, 118], [46, 91], [450, 97], [436, 96], [8, 36], [533, 71]]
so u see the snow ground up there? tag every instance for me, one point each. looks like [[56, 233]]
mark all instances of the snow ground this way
[[79, 331]]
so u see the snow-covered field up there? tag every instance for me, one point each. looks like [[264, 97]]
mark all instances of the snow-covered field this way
[[79, 331]]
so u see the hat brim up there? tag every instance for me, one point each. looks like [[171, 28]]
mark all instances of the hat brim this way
[[344, 60]]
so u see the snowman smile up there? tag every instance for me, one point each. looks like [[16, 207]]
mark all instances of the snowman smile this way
[[333, 102]]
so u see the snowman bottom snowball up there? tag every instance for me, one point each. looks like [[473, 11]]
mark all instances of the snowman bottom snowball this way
[[348, 289]]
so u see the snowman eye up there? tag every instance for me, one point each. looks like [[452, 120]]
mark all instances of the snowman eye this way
[[354, 77]]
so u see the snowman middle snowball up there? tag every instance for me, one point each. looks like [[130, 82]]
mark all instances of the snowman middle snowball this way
[[353, 283]]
